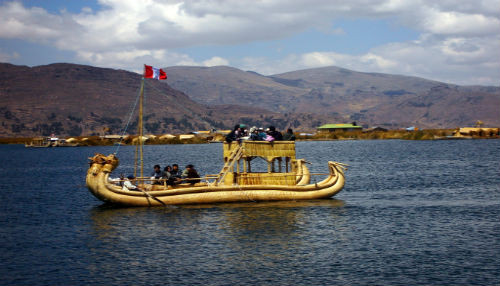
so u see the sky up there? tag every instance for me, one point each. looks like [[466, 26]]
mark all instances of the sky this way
[[453, 41]]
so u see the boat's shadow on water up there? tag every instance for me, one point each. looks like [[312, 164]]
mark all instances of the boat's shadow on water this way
[[281, 215]]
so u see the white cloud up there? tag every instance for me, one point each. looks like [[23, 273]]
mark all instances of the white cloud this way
[[216, 61], [5, 57], [459, 40], [453, 60], [455, 23]]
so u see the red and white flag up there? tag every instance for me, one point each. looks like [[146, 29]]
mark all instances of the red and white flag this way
[[152, 72]]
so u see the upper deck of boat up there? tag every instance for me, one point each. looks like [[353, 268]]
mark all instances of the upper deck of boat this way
[[263, 149]]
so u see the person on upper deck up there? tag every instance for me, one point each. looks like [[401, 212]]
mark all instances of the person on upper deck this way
[[275, 134], [234, 135], [262, 134], [254, 134], [289, 136]]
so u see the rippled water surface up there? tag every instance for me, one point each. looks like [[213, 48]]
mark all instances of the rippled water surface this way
[[411, 213]]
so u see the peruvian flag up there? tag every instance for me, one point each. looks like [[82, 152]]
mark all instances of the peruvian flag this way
[[152, 72]]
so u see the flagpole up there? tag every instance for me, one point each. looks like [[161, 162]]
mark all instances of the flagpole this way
[[140, 128], [149, 72]]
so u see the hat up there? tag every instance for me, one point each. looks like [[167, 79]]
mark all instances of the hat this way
[[130, 177]]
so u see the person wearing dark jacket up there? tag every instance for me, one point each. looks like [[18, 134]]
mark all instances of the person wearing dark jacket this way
[[289, 136], [191, 175], [175, 175], [234, 135], [275, 134]]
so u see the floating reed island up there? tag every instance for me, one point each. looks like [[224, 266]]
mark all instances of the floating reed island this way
[[109, 140]]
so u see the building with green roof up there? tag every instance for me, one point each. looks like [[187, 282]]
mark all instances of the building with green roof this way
[[339, 127]]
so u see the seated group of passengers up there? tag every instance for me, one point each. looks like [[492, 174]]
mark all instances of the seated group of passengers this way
[[172, 175], [258, 134]]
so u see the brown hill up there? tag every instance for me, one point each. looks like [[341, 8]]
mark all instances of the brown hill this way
[[368, 98], [71, 100], [227, 85]]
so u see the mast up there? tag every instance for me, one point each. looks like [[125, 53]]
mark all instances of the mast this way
[[139, 146], [140, 128]]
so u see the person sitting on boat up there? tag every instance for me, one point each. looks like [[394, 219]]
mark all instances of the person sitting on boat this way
[[275, 134], [175, 175], [254, 134], [245, 135], [289, 136], [156, 175], [117, 181], [262, 134], [190, 175], [166, 173], [235, 134], [128, 184]]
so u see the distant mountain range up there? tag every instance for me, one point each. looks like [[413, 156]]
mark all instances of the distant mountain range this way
[[71, 100], [391, 101]]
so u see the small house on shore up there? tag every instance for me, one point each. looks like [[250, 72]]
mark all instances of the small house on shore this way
[[339, 127]]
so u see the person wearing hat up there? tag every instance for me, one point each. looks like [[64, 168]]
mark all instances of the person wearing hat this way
[[254, 134], [128, 185]]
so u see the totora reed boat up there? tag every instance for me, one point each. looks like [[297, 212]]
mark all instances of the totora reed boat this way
[[235, 183], [286, 178]]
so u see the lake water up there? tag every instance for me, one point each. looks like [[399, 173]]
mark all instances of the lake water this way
[[411, 213]]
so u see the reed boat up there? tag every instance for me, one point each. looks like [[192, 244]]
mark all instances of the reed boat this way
[[45, 142], [287, 178], [39, 142]]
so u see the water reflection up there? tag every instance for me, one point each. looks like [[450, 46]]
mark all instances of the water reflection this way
[[240, 218], [236, 239]]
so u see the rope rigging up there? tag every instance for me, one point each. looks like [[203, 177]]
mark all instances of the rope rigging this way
[[141, 101], [124, 130]]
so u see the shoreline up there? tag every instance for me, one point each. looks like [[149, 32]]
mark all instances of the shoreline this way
[[432, 134]]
